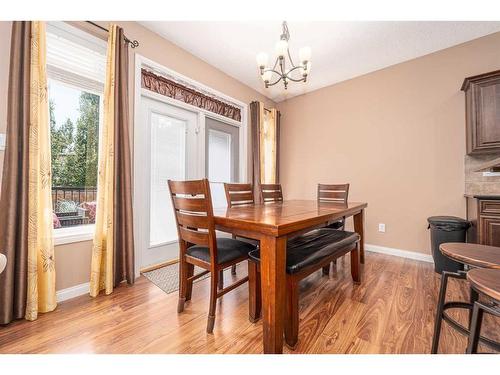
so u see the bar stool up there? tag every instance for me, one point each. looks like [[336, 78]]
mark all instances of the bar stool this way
[[485, 282], [472, 255]]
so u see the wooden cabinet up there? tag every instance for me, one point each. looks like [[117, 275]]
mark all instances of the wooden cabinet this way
[[484, 213], [482, 107]]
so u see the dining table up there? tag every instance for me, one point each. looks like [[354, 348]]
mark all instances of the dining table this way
[[273, 224]]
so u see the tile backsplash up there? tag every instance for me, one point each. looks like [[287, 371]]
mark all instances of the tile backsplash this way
[[475, 182]]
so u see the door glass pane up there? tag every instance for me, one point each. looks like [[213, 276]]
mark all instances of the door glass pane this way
[[222, 158], [168, 161], [219, 156]]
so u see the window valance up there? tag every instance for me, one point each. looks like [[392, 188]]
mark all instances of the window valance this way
[[177, 91]]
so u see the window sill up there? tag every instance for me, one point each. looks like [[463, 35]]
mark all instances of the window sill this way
[[74, 234]]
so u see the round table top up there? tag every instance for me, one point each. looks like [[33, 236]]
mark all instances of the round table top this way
[[472, 254], [485, 281]]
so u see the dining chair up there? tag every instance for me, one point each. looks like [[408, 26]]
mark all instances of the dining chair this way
[[333, 193], [305, 254], [199, 245], [271, 193], [237, 195]]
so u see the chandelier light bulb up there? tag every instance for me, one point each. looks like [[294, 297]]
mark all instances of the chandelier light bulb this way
[[305, 54], [262, 59], [307, 68], [266, 76], [281, 48]]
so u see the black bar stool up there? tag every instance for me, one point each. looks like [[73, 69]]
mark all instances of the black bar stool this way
[[471, 255], [486, 282]]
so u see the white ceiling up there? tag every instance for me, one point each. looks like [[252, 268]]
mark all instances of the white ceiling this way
[[340, 50]]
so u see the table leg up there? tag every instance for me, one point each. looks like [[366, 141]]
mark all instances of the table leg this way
[[272, 268], [359, 222]]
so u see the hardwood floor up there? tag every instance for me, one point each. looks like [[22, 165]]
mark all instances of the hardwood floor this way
[[391, 311]]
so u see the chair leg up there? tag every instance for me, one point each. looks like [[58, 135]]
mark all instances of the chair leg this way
[[213, 301], [183, 275], [335, 263], [439, 313], [292, 312], [189, 284], [254, 292], [355, 264], [326, 270], [233, 269], [475, 329], [221, 279], [474, 297]]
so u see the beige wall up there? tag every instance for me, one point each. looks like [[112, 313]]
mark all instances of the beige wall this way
[[397, 135], [73, 260]]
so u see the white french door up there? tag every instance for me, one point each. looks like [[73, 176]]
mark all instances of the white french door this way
[[166, 147]]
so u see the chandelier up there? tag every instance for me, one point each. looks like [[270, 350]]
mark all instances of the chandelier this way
[[296, 73]]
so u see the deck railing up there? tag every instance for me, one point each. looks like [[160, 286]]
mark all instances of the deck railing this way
[[74, 194]]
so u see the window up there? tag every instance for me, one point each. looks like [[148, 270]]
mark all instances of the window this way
[[76, 72], [268, 147]]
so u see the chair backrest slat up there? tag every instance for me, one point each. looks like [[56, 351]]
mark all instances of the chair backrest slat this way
[[194, 237], [335, 193], [192, 205], [238, 194], [271, 193], [189, 204]]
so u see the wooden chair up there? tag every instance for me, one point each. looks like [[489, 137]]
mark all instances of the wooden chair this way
[[199, 245], [333, 193], [304, 255], [337, 193], [236, 195], [271, 193]]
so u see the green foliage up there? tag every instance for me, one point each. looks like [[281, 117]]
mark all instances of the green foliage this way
[[75, 154]]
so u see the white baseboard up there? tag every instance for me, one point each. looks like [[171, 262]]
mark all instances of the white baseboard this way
[[72, 292], [399, 253]]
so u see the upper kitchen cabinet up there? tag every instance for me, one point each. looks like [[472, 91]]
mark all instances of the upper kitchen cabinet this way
[[482, 104]]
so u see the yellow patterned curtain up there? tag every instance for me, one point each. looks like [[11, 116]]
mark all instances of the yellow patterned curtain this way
[[101, 277], [268, 145], [41, 291]]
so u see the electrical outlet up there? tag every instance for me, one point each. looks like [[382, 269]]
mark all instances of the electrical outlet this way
[[2, 141], [381, 227]]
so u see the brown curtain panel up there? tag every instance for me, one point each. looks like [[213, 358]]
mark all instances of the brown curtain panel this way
[[14, 195], [123, 237], [278, 131], [255, 114]]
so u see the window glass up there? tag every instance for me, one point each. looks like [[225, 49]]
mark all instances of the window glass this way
[[75, 67], [168, 161]]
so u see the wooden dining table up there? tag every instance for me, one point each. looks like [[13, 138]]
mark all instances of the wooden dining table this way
[[272, 224]]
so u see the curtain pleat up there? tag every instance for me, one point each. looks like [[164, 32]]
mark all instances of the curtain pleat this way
[[256, 109], [113, 249], [14, 195], [278, 142], [41, 289]]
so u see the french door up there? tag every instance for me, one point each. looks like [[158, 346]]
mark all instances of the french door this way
[[171, 142], [167, 148]]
